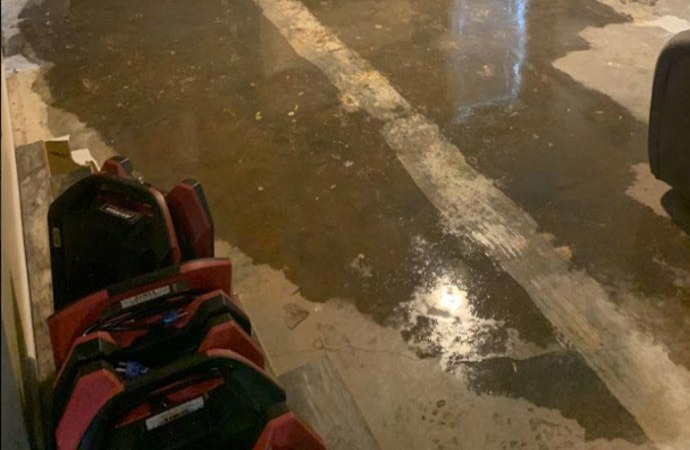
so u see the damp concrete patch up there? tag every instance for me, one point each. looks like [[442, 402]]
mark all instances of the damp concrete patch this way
[[35, 119], [526, 379], [195, 107], [472, 206], [408, 402]]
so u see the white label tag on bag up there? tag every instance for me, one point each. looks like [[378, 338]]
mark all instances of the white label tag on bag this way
[[174, 413], [147, 296], [120, 213]]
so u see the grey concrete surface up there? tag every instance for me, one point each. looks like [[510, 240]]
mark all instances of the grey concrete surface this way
[[455, 190], [320, 397]]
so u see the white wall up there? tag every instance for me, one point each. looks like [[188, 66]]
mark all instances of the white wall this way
[[16, 309]]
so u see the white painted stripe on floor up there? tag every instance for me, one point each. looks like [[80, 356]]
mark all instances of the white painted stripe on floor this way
[[635, 369]]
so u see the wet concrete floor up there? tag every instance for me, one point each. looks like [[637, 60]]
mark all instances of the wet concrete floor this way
[[298, 180]]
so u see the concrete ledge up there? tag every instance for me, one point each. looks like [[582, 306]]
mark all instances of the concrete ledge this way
[[318, 395]]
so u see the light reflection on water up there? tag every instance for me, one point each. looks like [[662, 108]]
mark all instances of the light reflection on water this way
[[486, 67], [452, 299], [450, 327]]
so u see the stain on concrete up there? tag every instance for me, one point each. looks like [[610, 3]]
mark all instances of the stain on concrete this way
[[558, 149], [528, 379], [293, 315], [446, 316], [305, 184], [410, 403], [279, 186]]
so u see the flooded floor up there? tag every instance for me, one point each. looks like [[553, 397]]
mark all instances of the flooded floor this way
[[466, 215]]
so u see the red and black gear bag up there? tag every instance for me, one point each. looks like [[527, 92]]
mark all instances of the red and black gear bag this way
[[206, 323], [164, 286], [105, 229], [211, 400], [192, 219], [109, 227]]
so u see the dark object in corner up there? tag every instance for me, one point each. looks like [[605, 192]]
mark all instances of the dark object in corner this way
[[678, 207], [669, 119]]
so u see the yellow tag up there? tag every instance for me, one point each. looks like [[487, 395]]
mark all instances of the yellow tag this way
[[60, 157]]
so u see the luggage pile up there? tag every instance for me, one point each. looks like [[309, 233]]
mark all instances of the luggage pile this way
[[151, 349]]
